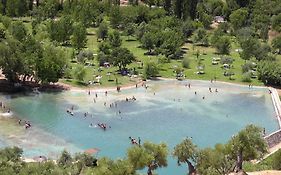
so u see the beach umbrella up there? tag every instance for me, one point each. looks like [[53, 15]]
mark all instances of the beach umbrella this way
[[40, 159], [92, 151]]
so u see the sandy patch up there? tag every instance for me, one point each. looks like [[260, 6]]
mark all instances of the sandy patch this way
[[267, 172]]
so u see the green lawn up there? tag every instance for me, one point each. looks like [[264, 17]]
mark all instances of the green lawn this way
[[166, 69]]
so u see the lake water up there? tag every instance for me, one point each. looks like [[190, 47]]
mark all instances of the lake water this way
[[172, 114]]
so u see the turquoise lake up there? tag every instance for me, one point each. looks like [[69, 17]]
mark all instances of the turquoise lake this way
[[168, 111]]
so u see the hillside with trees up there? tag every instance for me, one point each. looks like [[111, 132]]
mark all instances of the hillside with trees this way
[[47, 41], [89, 42]]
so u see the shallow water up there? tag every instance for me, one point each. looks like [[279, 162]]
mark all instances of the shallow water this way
[[173, 113]]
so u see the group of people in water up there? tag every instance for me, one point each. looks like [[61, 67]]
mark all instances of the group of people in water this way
[[134, 141], [131, 99], [27, 124]]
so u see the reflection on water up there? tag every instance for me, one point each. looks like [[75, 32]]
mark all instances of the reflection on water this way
[[173, 113]]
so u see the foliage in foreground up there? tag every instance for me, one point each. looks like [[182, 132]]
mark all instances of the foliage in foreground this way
[[248, 144]]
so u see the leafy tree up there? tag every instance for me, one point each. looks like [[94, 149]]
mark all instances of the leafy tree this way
[[264, 33], [65, 159], [262, 53], [238, 18], [11, 60], [276, 22], [112, 167], [172, 43], [129, 30], [18, 30], [86, 159], [104, 47], [141, 30], [6, 21], [269, 72], [148, 155], [85, 11], [79, 36], [215, 160], [223, 45], [51, 66], [150, 70], [2, 32], [186, 62], [167, 5], [115, 39], [276, 44], [185, 9], [10, 160], [248, 144], [200, 36], [80, 73], [61, 30], [11, 154], [121, 57], [186, 152], [115, 17], [148, 41], [16, 8], [102, 58], [32, 51], [188, 28], [203, 16], [102, 31], [47, 9], [249, 46]]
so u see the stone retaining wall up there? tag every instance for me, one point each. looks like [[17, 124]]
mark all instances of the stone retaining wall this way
[[273, 139]]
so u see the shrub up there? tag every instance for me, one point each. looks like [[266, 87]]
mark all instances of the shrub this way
[[186, 62], [226, 60], [276, 163], [246, 77], [247, 67], [150, 70]]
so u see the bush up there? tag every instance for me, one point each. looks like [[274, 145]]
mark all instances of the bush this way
[[223, 45], [226, 60], [150, 70], [276, 163], [247, 67], [246, 77], [186, 62]]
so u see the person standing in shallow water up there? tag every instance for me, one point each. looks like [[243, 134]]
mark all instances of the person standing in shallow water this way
[[139, 139]]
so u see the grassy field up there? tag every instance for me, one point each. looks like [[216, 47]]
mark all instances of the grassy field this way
[[167, 70]]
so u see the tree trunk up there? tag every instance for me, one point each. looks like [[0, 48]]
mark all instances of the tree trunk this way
[[191, 168], [37, 3], [4, 2], [30, 5], [149, 171], [239, 161]]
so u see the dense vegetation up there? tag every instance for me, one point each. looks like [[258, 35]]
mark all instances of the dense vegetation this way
[[248, 144], [49, 40]]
